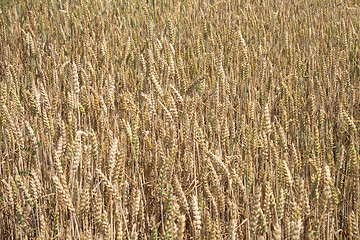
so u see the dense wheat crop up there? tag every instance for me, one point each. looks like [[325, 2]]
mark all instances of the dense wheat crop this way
[[184, 119]]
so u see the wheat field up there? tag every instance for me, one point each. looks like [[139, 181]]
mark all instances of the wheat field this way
[[160, 119]]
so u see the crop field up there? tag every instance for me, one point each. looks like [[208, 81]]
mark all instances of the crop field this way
[[164, 119]]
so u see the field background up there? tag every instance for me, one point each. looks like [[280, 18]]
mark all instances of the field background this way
[[179, 119]]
